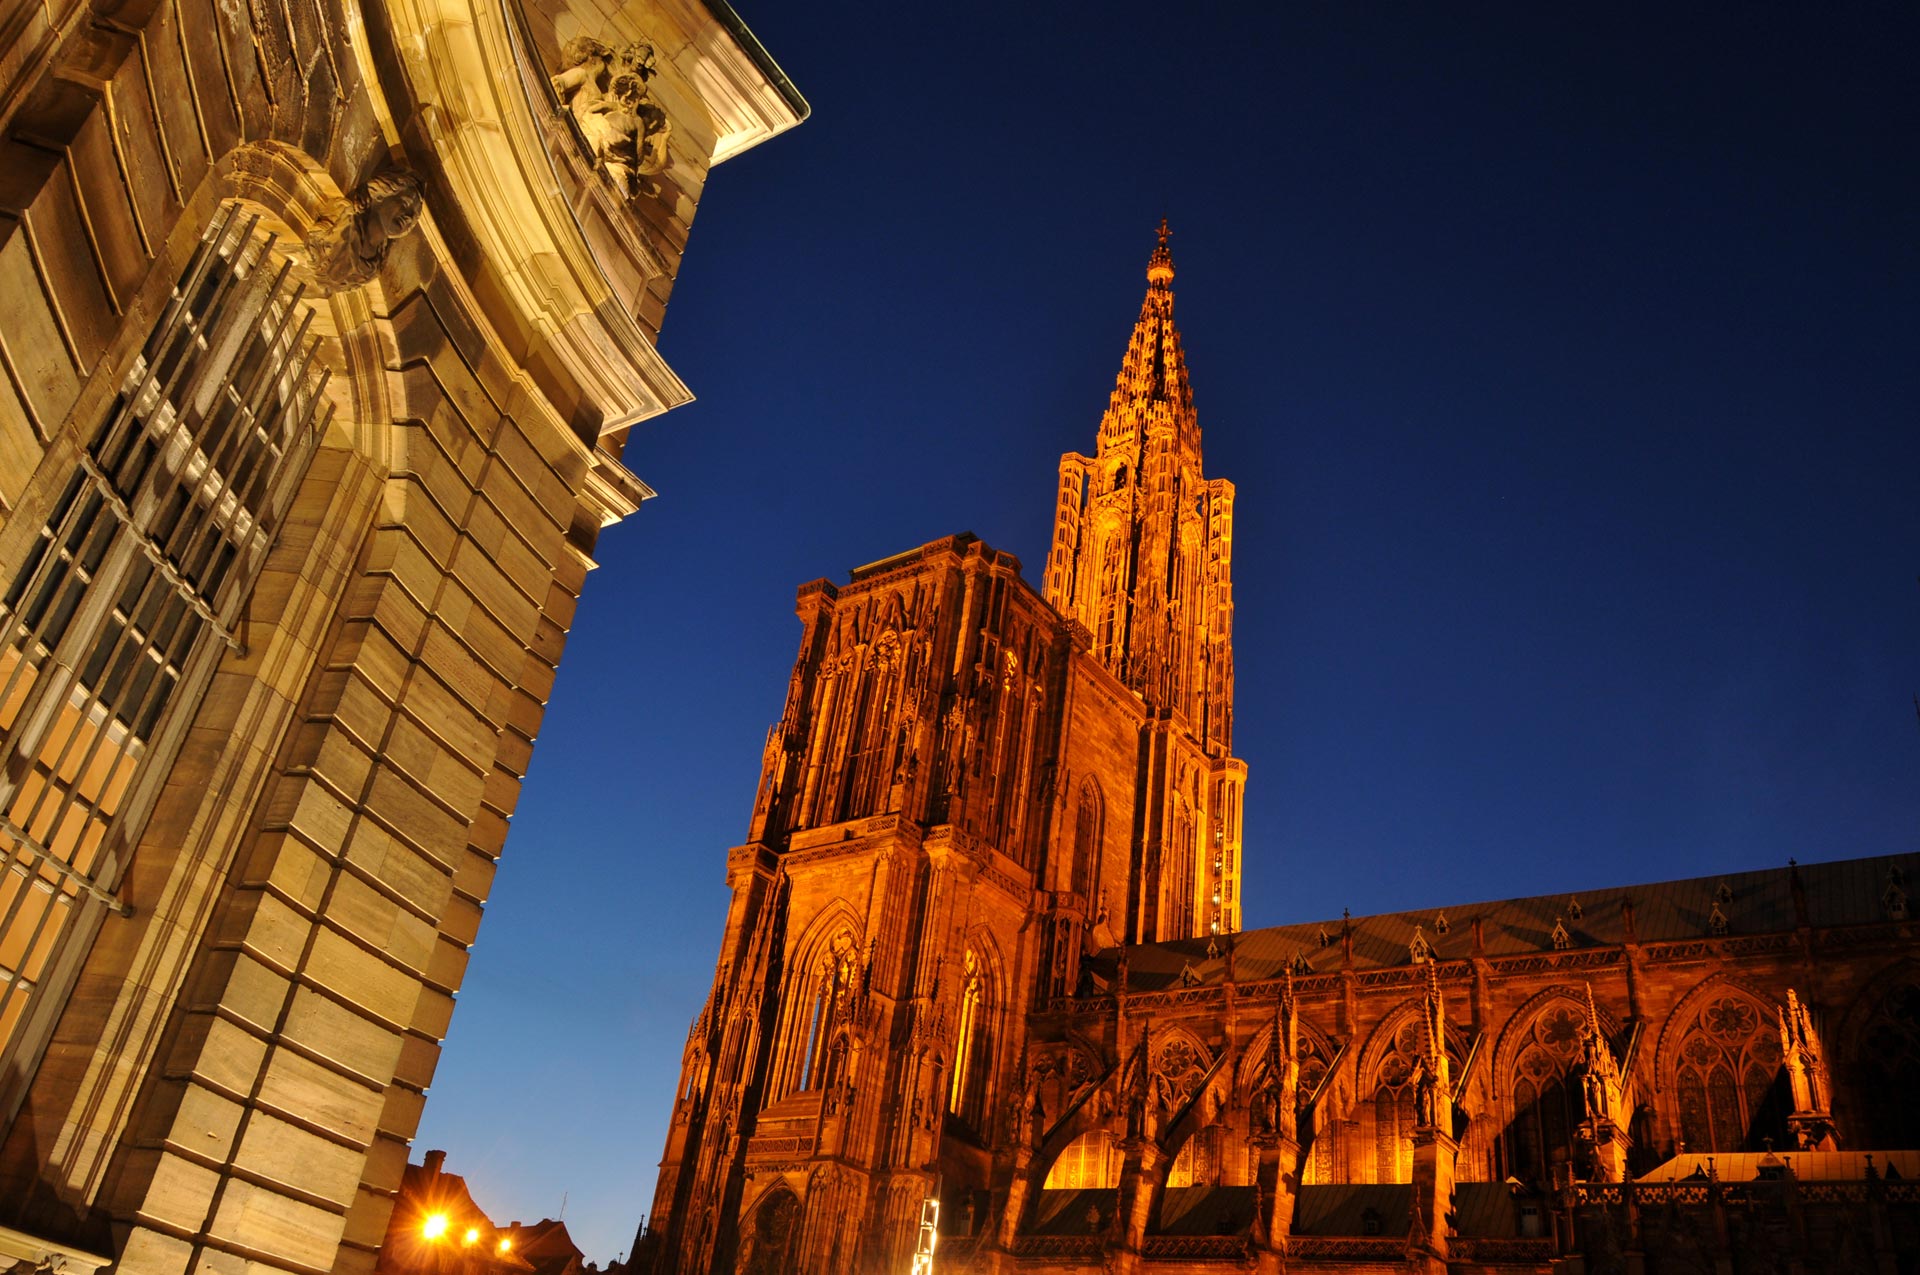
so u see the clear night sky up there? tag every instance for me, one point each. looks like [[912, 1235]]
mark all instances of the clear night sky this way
[[1564, 358]]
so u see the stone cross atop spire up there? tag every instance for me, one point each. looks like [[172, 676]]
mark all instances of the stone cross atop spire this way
[[1160, 264]]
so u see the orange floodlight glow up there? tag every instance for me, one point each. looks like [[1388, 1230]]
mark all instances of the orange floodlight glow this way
[[435, 1226], [473, 1233], [505, 1245]]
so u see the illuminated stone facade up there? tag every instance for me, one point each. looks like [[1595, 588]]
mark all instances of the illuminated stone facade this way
[[984, 945], [322, 327]]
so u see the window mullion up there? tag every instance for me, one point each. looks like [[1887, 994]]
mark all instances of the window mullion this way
[[153, 553], [31, 848]]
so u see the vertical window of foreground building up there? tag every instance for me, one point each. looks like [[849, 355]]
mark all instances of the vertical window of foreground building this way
[[1180, 879], [1725, 1072], [138, 576], [972, 1046]]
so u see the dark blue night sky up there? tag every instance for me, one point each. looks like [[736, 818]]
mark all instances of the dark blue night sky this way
[[1564, 359]]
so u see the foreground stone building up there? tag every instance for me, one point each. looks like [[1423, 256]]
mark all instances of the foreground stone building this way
[[984, 947], [322, 328]]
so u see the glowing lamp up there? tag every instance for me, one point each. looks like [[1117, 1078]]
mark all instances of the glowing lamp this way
[[473, 1233], [505, 1245], [435, 1226]]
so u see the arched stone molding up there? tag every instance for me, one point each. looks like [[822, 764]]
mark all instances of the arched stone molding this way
[[1843, 1031], [1734, 1027], [1097, 1109], [838, 914], [1064, 1075], [1383, 1101], [1380, 1041], [1088, 837], [770, 1231], [1531, 1087], [1682, 1015], [295, 195], [1515, 1033], [986, 1033], [447, 73], [1252, 1064]]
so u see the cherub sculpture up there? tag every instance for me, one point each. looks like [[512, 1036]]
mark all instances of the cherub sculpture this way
[[604, 88]]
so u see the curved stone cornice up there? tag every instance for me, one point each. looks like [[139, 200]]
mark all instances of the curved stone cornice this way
[[460, 108]]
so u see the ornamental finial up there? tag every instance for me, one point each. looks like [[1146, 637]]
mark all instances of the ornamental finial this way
[[1160, 264]]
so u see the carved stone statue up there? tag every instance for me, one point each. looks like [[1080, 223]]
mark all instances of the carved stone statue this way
[[604, 88], [1425, 1094], [349, 247], [1029, 1120], [1266, 1104]]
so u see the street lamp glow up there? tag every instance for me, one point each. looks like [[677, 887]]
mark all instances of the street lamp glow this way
[[473, 1233], [435, 1226], [505, 1245]]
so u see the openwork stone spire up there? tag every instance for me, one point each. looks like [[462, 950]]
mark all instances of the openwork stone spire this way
[[1142, 557], [1142, 550], [1152, 389]]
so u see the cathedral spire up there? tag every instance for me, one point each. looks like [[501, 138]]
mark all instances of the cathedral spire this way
[[1142, 557], [1152, 391]]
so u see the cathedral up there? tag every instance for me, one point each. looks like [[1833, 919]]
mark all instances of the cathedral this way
[[984, 1002]]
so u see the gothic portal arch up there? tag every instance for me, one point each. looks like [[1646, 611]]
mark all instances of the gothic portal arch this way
[[768, 1240], [1720, 1058]]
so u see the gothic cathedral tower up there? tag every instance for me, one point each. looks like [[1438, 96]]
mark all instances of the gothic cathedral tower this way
[[971, 788], [1142, 557]]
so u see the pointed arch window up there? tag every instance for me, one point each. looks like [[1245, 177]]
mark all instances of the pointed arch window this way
[[1545, 1101], [1392, 1109], [1726, 1070], [1086, 841], [1387, 1120], [1109, 594], [972, 1045], [768, 1245], [811, 1049]]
